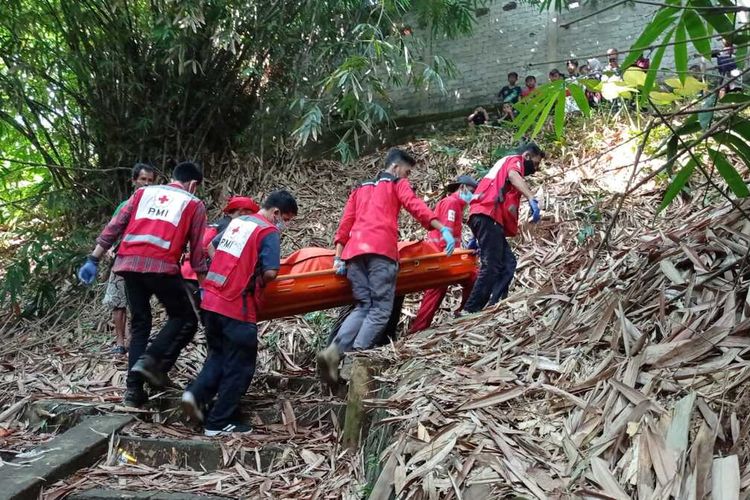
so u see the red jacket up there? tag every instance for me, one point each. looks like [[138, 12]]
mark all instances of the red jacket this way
[[230, 277], [159, 224], [496, 197], [369, 224], [449, 211]]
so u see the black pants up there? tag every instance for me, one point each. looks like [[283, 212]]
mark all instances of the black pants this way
[[229, 367], [497, 263], [177, 332]]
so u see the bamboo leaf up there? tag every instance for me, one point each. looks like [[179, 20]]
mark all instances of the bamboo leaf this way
[[719, 21], [663, 19], [560, 114], [681, 51], [580, 98], [736, 144], [655, 64], [543, 115], [730, 174], [677, 184], [734, 97], [697, 31]]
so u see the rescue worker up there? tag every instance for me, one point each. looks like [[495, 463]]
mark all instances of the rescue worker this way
[[493, 216], [450, 212], [156, 224], [367, 252], [246, 259], [114, 297], [235, 207]]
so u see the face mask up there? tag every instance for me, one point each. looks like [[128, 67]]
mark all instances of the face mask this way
[[466, 196], [529, 167]]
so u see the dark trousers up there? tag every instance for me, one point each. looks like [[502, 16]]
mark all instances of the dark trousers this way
[[178, 331], [229, 366], [497, 263]]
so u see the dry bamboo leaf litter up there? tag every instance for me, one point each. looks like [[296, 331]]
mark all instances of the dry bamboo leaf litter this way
[[582, 418]]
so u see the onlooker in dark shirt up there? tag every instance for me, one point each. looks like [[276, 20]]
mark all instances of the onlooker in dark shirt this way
[[555, 75], [511, 92], [530, 86], [585, 70], [727, 66], [478, 117], [572, 66]]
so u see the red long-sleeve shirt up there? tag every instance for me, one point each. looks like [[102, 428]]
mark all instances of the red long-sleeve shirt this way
[[449, 212], [369, 224], [144, 264]]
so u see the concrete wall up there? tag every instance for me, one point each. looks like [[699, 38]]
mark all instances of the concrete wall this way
[[510, 37]]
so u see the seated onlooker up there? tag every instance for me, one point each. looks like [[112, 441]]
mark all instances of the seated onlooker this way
[[478, 117], [510, 92], [530, 86], [642, 63], [507, 113], [572, 66], [555, 75], [613, 66], [727, 67], [585, 71], [595, 68]]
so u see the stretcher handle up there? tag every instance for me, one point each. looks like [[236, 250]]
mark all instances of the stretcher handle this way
[[404, 261]]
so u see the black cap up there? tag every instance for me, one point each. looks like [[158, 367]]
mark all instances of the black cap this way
[[461, 179]]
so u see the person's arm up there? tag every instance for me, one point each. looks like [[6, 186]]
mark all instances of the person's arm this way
[[113, 230], [347, 221], [415, 206], [270, 257], [197, 255], [519, 183]]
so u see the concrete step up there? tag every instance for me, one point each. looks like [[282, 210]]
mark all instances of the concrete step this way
[[104, 494], [76, 448], [196, 454]]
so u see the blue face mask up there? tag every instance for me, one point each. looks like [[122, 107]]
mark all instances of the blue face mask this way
[[281, 225], [466, 196]]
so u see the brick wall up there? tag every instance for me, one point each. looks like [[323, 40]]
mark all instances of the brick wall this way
[[510, 40]]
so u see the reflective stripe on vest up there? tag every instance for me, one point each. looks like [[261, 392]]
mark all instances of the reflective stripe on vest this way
[[147, 238], [220, 279]]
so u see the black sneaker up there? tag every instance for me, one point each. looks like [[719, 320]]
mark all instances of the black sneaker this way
[[228, 430], [134, 398], [146, 366]]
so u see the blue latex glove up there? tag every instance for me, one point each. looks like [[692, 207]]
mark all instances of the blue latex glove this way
[[450, 242], [473, 244], [201, 292], [87, 272], [536, 214], [339, 266]]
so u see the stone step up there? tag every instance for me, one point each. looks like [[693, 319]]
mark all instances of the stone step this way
[[197, 454], [79, 447], [104, 494]]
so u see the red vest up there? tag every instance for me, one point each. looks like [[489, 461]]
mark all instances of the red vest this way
[[496, 197], [233, 266], [159, 224]]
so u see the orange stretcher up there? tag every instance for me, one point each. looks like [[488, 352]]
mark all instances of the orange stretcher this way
[[306, 281]]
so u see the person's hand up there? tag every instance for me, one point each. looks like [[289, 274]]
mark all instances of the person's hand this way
[[201, 292], [87, 272], [535, 212], [450, 242], [473, 244], [339, 266], [111, 253]]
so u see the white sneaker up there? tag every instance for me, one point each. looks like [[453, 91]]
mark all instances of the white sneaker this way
[[228, 430], [190, 407]]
